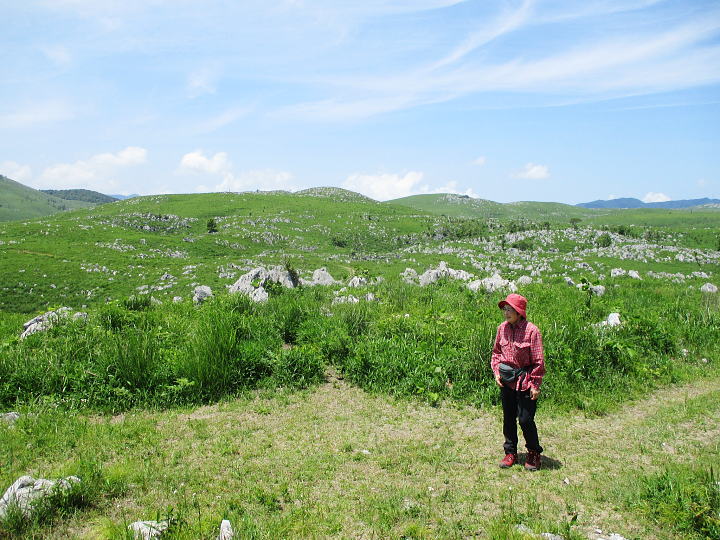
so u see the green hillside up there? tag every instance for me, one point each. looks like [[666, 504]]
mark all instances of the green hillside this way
[[21, 202], [85, 195], [450, 204]]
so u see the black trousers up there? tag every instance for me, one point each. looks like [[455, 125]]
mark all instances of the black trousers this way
[[518, 405]]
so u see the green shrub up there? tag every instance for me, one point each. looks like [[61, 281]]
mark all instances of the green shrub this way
[[297, 367]]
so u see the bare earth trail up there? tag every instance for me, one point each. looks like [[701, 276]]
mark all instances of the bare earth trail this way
[[336, 461]]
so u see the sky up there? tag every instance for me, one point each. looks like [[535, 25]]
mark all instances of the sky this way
[[507, 100]]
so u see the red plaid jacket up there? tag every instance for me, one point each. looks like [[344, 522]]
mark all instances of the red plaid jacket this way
[[520, 346]]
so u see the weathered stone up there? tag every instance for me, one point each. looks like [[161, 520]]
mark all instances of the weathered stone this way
[[10, 417], [492, 284], [612, 320], [634, 274], [617, 272], [26, 491], [524, 280], [409, 275], [569, 282], [349, 299], [146, 530], [226, 530], [357, 281], [202, 293], [597, 290], [322, 277], [709, 288], [177, 299], [45, 321], [259, 295]]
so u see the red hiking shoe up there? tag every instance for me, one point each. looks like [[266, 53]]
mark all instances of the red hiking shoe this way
[[508, 461], [532, 463]]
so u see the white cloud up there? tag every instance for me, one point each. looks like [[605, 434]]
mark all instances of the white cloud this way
[[15, 171], [386, 186], [383, 187], [480, 161], [533, 171], [223, 119], [196, 161], [655, 197], [93, 173], [220, 165]]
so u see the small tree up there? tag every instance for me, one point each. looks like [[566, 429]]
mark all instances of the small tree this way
[[212, 225], [574, 222]]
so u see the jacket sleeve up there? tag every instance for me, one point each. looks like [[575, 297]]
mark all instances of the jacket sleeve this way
[[537, 369], [496, 357]]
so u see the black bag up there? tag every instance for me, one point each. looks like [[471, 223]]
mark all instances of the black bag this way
[[509, 374]]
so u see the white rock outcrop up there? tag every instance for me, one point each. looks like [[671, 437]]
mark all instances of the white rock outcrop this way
[[492, 284], [597, 290], [320, 277], [146, 530], [709, 288], [26, 491], [524, 280], [431, 275], [201, 294], [47, 320], [9, 417], [226, 530], [612, 320]]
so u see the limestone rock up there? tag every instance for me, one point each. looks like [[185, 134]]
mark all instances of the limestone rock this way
[[357, 281], [569, 282], [47, 320], [617, 272], [177, 299], [26, 491], [709, 288], [597, 290], [146, 530], [612, 320], [524, 280], [10, 417], [409, 275], [349, 299], [433, 274], [321, 277], [226, 530], [492, 284], [634, 274], [202, 293]]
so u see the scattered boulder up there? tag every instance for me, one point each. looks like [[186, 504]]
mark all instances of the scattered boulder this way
[[252, 283], [431, 275], [146, 530], [202, 293], [349, 299], [226, 530], [617, 272], [612, 320], [709, 288], [409, 275], [177, 299], [320, 277], [569, 282], [492, 284], [524, 280], [357, 281], [597, 290], [46, 320], [26, 491], [10, 417], [634, 274]]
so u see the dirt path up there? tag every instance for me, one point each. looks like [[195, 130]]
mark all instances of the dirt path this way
[[336, 461]]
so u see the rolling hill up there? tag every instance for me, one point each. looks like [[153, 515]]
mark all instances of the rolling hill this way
[[18, 201], [85, 195]]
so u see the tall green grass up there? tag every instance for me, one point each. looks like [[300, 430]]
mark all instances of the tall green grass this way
[[431, 343]]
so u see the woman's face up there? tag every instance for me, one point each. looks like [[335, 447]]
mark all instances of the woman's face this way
[[511, 315]]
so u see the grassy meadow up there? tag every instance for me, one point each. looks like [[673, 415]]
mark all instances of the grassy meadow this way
[[302, 417]]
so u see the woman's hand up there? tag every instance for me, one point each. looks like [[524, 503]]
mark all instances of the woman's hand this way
[[498, 380], [534, 393]]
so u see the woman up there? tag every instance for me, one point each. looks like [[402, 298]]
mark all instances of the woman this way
[[518, 363]]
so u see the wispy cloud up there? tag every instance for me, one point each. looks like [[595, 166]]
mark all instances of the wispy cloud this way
[[387, 186], [219, 167], [533, 171], [31, 115], [15, 171], [95, 172]]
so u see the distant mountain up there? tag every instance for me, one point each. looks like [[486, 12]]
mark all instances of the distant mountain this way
[[18, 201], [80, 195], [123, 197], [637, 203]]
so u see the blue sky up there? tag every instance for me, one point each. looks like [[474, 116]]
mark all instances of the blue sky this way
[[547, 100]]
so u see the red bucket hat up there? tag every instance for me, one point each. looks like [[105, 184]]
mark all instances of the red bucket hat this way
[[515, 301]]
